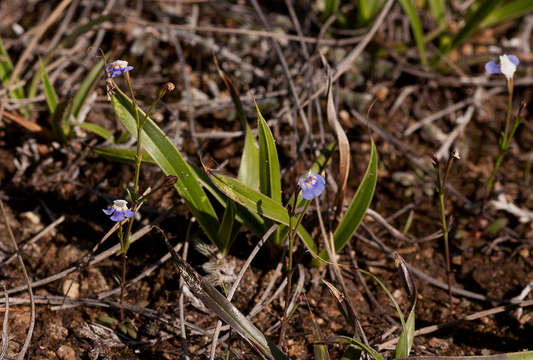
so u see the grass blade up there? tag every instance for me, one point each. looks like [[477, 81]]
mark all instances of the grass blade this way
[[157, 144], [49, 92], [416, 27]]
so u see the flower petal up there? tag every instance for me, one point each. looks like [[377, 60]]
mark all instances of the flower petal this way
[[128, 213], [118, 216], [492, 67], [308, 194], [108, 211], [514, 59]]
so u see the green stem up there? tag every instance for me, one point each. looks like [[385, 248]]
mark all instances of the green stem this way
[[505, 140], [292, 234]]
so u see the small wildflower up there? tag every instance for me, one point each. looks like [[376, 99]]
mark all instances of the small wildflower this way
[[117, 68], [455, 154], [119, 210], [312, 185], [507, 66]]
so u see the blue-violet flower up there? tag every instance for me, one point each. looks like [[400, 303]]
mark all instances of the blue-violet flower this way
[[507, 66], [312, 185], [119, 210], [117, 68]]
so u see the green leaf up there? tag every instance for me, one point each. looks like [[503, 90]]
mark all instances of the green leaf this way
[[249, 167], [6, 69], [260, 204], [472, 23], [357, 343], [124, 155], [438, 11], [508, 11], [360, 203], [85, 88], [416, 27], [96, 129], [353, 352], [49, 92], [60, 120], [368, 9], [225, 231], [269, 173], [405, 343], [389, 295], [330, 8], [165, 154]]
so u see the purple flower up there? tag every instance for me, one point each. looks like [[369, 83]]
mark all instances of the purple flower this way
[[312, 185], [507, 66], [119, 210], [117, 68]]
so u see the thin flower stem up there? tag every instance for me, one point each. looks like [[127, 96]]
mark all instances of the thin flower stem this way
[[441, 189], [292, 234], [446, 247], [125, 240], [505, 140]]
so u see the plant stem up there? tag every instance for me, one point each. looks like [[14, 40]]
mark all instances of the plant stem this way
[[505, 141], [292, 234], [446, 247], [125, 239]]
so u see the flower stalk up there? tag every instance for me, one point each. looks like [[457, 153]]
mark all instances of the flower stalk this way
[[507, 67], [440, 184]]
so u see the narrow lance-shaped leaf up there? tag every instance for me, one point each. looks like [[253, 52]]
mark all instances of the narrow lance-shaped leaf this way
[[508, 11], [6, 69], [85, 88], [259, 204], [157, 144], [269, 173], [407, 337], [96, 129], [124, 155], [360, 203], [49, 92], [225, 232], [472, 23], [249, 166], [416, 27]]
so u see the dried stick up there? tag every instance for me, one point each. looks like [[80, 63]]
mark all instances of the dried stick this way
[[26, 345], [5, 326]]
